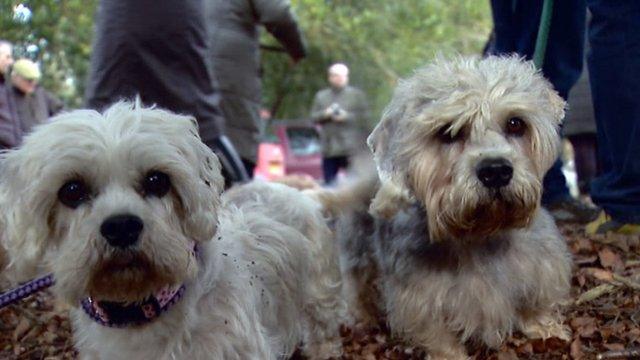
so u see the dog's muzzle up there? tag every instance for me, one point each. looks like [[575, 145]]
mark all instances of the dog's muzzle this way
[[122, 230], [494, 173]]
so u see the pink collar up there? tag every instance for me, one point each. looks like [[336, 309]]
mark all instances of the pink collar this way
[[115, 314]]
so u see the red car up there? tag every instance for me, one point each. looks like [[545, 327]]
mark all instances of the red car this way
[[290, 148]]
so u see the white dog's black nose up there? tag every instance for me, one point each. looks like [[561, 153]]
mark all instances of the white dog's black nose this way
[[494, 173], [122, 230]]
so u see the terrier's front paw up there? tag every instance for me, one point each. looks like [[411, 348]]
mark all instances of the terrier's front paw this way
[[546, 326]]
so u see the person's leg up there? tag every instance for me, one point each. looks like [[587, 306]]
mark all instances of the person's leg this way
[[330, 169], [614, 65], [554, 185], [516, 28], [584, 149]]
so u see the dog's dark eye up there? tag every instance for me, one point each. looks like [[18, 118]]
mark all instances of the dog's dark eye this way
[[73, 193], [516, 127], [156, 183], [445, 136]]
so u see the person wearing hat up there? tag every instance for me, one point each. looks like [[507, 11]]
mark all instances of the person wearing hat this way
[[34, 104], [10, 131]]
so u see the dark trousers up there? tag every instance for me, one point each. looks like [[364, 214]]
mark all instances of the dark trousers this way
[[584, 150], [516, 29], [331, 166], [614, 69]]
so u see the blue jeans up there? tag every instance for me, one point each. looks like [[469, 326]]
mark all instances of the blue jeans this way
[[614, 67], [516, 28]]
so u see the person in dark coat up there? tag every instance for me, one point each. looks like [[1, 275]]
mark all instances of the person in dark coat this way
[[34, 104], [10, 132], [158, 49], [234, 39]]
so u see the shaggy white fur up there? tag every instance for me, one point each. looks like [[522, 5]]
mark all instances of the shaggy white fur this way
[[265, 278]]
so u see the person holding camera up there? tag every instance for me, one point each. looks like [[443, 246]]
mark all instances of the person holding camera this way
[[341, 110]]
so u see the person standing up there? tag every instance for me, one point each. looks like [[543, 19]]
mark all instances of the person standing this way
[[158, 50], [234, 40], [340, 109], [516, 25], [614, 67], [34, 104], [10, 132]]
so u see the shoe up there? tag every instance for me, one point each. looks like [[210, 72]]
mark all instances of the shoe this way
[[573, 210], [605, 224]]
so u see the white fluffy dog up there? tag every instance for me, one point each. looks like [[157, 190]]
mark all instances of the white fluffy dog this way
[[125, 208]]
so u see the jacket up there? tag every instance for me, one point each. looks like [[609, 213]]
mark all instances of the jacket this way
[[341, 138], [10, 132], [157, 49], [234, 40], [36, 108]]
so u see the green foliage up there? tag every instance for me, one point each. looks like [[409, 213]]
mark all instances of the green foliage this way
[[62, 31], [381, 41]]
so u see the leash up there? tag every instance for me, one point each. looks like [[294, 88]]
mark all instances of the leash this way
[[543, 33], [26, 289]]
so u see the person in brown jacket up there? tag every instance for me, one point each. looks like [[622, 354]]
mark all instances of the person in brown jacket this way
[[10, 132]]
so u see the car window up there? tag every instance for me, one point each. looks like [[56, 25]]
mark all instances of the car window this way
[[304, 141]]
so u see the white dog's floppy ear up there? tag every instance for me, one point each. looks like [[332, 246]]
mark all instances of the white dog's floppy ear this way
[[202, 205], [25, 215], [392, 194]]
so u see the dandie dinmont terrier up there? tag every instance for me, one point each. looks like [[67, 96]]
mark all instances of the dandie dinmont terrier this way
[[455, 235], [125, 208]]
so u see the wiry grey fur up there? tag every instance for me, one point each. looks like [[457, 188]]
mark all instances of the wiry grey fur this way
[[475, 277]]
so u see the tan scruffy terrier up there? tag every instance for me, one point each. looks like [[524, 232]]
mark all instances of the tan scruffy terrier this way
[[455, 235]]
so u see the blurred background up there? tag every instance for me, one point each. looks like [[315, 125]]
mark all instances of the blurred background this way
[[379, 40]]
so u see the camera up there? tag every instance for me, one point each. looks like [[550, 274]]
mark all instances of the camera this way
[[335, 109]]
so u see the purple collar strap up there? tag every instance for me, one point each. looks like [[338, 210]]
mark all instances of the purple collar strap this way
[[120, 315], [116, 314]]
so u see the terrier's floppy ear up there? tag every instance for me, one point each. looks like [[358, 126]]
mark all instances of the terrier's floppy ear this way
[[392, 194], [558, 105]]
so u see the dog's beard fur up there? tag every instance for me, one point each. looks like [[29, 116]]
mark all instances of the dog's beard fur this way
[[458, 206], [128, 277], [162, 257]]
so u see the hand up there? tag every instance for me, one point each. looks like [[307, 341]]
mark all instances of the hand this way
[[341, 116]]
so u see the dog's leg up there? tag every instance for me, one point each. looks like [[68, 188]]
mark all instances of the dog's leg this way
[[325, 308], [545, 324], [440, 343], [362, 295], [414, 321]]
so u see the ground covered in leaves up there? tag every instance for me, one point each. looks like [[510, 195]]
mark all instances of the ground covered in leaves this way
[[604, 315]]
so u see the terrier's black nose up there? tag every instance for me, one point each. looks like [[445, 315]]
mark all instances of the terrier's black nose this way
[[122, 230], [494, 173]]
